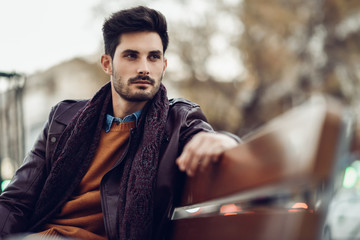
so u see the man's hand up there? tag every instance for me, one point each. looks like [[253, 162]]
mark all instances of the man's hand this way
[[203, 149]]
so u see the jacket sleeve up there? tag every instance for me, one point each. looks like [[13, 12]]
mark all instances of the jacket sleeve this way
[[195, 122], [18, 199]]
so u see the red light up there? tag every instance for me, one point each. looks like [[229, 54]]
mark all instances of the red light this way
[[230, 209], [300, 205], [230, 214]]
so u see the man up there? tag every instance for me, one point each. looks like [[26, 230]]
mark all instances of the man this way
[[108, 168]]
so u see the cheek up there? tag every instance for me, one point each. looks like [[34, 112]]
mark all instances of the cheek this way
[[158, 70], [123, 68]]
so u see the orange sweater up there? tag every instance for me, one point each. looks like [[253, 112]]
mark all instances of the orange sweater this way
[[81, 217]]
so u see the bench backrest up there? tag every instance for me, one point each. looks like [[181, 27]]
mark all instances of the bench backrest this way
[[273, 186]]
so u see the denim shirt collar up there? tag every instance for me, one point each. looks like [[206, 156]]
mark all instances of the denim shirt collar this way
[[129, 118]]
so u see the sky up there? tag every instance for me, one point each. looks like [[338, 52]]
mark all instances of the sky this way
[[38, 34]]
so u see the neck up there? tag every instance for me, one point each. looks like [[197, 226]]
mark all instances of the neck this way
[[123, 107]]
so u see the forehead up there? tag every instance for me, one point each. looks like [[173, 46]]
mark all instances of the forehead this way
[[140, 41]]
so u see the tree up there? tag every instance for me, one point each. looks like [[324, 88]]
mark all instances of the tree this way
[[295, 48], [247, 61]]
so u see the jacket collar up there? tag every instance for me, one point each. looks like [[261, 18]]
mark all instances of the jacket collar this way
[[68, 111]]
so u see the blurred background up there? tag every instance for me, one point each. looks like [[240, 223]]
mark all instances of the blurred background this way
[[244, 61]]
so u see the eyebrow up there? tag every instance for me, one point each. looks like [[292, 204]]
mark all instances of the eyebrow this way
[[156, 52], [127, 51], [130, 51]]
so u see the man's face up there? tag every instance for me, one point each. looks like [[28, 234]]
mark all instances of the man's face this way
[[138, 66]]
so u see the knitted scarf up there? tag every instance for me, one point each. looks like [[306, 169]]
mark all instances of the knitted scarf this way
[[76, 149]]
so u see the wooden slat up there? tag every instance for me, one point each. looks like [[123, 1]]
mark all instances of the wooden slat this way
[[298, 146], [296, 149], [257, 226]]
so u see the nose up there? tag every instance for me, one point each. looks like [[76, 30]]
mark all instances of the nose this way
[[143, 69]]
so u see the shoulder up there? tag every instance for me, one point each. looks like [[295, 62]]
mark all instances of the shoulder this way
[[65, 110], [71, 102], [185, 119], [182, 102], [185, 109]]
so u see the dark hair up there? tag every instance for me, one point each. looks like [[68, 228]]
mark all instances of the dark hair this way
[[138, 19]]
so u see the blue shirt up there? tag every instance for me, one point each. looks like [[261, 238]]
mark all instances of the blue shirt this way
[[129, 118]]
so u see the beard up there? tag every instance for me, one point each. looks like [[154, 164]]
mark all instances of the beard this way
[[140, 94]]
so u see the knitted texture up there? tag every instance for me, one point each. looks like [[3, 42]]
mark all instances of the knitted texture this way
[[76, 149], [73, 154], [135, 213]]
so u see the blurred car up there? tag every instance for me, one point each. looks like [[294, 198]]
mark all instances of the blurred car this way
[[343, 217]]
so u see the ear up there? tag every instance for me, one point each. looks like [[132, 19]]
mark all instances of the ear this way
[[106, 64], [165, 66]]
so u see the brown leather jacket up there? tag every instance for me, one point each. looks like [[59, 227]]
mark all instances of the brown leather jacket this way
[[18, 200]]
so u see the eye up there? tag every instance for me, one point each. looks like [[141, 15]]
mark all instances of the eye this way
[[154, 57], [130, 56]]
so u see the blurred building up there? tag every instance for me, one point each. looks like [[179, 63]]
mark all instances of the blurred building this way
[[25, 103], [73, 79], [12, 142]]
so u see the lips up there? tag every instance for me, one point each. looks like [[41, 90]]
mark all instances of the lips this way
[[142, 80]]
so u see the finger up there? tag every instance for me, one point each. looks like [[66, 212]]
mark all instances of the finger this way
[[193, 164], [205, 162], [207, 151], [185, 157], [200, 157], [191, 156], [203, 149], [193, 159], [181, 160]]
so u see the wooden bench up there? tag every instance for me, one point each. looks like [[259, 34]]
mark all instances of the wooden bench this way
[[276, 185]]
